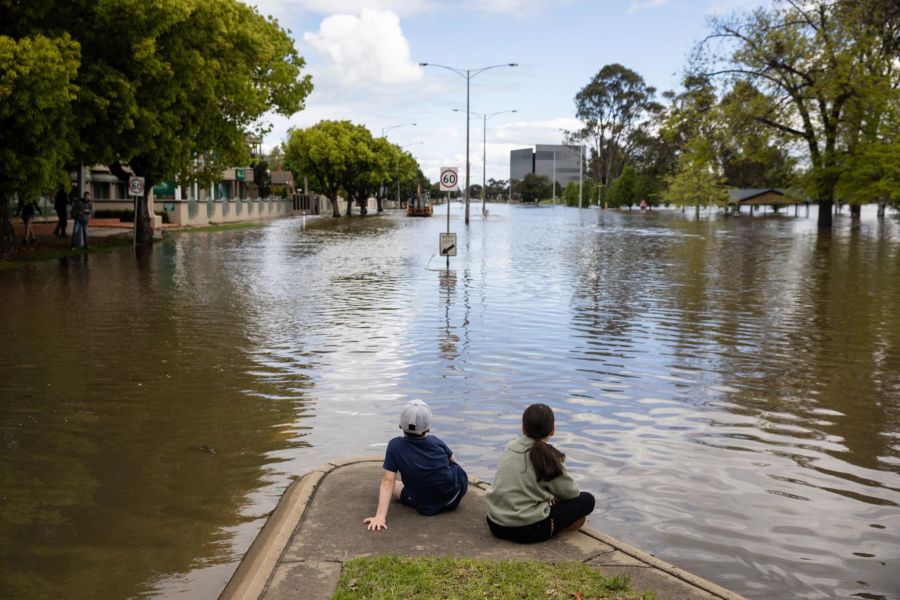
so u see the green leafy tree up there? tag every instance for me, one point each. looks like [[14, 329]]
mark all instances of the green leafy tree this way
[[695, 181], [36, 91], [827, 66], [319, 153], [174, 91], [534, 188], [624, 190], [497, 189], [613, 105]]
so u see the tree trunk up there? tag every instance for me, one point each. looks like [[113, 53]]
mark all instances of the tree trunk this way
[[143, 225], [7, 233], [697, 211], [825, 218], [855, 211], [882, 205], [335, 207], [349, 211], [380, 205]]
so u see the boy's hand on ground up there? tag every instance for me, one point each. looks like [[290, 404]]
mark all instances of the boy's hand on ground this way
[[375, 523], [553, 501]]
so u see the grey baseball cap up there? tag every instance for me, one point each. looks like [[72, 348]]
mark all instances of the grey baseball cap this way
[[416, 417]]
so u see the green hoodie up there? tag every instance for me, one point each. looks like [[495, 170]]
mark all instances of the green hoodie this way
[[517, 498]]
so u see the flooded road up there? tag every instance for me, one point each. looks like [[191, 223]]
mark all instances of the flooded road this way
[[729, 389]]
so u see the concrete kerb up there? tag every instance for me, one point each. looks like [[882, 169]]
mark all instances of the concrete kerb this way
[[259, 565], [255, 570], [642, 557]]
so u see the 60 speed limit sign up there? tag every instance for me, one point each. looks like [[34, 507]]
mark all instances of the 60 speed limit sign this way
[[136, 186], [449, 179]]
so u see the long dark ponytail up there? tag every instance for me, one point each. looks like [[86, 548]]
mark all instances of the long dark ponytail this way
[[537, 423]]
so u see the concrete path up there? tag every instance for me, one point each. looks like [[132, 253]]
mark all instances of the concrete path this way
[[318, 525]]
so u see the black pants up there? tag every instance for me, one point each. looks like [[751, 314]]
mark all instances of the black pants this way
[[562, 514], [61, 224]]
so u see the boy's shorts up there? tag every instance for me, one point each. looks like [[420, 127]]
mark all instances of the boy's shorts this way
[[406, 500]]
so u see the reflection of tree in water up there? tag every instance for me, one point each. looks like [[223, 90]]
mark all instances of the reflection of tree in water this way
[[106, 485], [803, 327], [613, 288]]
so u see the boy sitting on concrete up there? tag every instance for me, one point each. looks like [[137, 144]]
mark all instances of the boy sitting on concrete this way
[[432, 480]]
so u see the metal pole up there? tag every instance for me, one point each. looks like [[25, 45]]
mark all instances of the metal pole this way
[[468, 79], [554, 178], [580, 174], [484, 168], [448, 227]]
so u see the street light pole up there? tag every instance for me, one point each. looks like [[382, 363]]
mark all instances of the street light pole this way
[[580, 173], [468, 74], [386, 129], [554, 178], [485, 117]]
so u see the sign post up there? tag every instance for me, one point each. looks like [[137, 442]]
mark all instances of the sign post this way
[[449, 183], [136, 189]]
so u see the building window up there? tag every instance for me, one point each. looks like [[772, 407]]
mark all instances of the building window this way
[[101, 190]]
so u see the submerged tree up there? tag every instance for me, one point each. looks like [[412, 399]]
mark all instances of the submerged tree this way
[[826, 66], [533, 187]]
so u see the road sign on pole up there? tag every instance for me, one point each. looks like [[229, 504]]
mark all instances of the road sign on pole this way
[[136, 186], [448, 244], [449, 179]]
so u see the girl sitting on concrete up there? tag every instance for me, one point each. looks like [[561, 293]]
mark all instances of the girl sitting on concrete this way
[[533, 497]]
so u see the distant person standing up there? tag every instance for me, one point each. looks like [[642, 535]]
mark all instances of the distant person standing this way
[[643, 205], [82, 210], [27, 209], [61, 205]]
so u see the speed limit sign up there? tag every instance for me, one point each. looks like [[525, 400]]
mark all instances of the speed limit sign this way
[[449, 179], [136, 186]]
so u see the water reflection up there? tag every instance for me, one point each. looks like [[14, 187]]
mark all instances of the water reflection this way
[[727, 388]]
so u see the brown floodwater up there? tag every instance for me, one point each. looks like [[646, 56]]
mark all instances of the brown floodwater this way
[[729, 389]]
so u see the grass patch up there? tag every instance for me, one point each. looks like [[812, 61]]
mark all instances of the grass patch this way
[[392, 577], [223, 227]]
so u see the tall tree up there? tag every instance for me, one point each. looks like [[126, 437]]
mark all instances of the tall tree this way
[[612, 106], [175, 90], [695, 181], [822, 63], [319, 152], [533, 188], [36, 90]]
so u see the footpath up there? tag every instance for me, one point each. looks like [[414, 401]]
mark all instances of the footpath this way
[[318, 525]]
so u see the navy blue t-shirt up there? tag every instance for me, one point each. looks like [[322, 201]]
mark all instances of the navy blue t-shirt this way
[[430, 480]]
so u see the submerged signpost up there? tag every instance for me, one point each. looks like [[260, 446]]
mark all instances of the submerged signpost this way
[[449, 183]]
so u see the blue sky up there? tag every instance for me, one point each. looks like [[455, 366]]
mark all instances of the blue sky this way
[[363, 56]]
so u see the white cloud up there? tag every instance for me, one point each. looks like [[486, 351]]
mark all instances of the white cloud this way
[[283, 8], [513, 7], [369, 48]]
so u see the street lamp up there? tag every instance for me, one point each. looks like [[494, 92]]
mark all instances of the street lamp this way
[[386, 129], [485, 117], [467, 74]]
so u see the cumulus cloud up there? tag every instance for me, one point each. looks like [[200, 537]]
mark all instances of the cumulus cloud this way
[[369, 48], [513, 7], [282, 8]]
